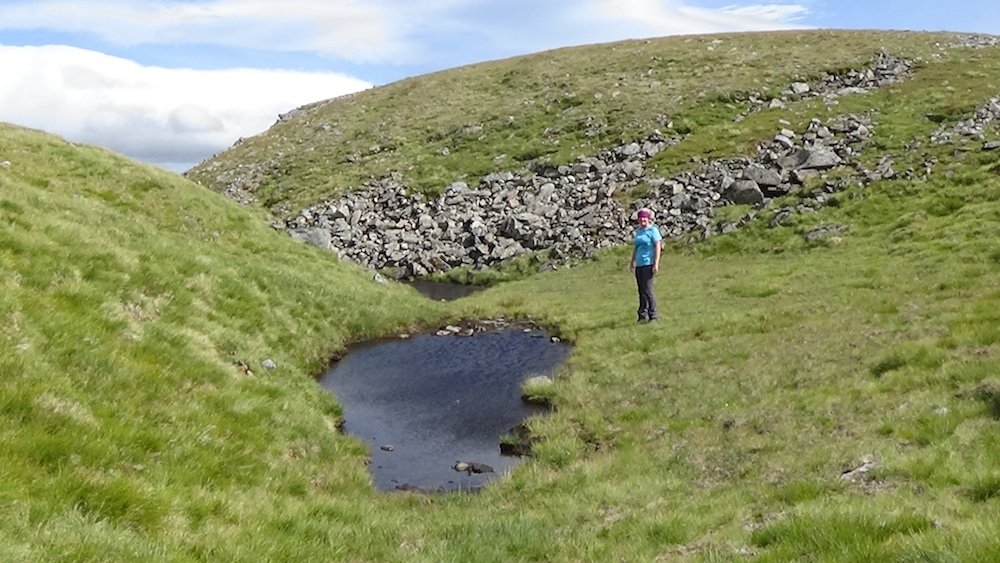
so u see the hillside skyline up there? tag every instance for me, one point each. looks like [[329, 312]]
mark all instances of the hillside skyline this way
[[172, 83]]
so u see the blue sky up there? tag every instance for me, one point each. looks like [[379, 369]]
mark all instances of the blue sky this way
[[171, 82]]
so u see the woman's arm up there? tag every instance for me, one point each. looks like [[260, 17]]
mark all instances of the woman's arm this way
[[656, 256], [631, 258]]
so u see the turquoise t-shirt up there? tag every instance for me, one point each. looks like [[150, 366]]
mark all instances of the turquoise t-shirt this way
[[645, 245]]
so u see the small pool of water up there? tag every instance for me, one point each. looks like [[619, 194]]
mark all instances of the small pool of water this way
[[443, 291], [425, 402]]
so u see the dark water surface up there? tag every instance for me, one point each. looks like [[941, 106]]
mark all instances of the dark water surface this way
[[440, 399], [443, 291]]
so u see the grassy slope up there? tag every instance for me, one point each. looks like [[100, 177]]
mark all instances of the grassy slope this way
[[719, 432], [127, 295], [503, 114]]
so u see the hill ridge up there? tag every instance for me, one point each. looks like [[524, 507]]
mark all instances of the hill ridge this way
[[278, 180]]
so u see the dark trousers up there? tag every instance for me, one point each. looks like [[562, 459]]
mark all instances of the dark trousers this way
[[644, 282]]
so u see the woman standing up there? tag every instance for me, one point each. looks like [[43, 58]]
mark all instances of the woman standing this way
[[645, 262]]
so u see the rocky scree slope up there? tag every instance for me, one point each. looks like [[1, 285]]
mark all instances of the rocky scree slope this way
[[565, 212]]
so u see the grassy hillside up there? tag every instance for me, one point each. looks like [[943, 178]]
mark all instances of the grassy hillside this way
[[131, 298], [816, 400], [463, 123]]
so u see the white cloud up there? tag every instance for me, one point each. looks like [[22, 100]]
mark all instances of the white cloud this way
[[358, 30], [176, 117], [670, 17], [170, 117], [382, 31]]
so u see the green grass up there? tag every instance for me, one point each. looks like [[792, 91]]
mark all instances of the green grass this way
[[460, 124], [130, 297]]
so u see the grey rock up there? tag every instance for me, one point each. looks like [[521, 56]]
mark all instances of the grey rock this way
[[313, 236], [568, 210], [744, 192], [762, 176], [814, 158]]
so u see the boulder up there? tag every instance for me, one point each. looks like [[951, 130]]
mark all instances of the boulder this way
[[745, 192]]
